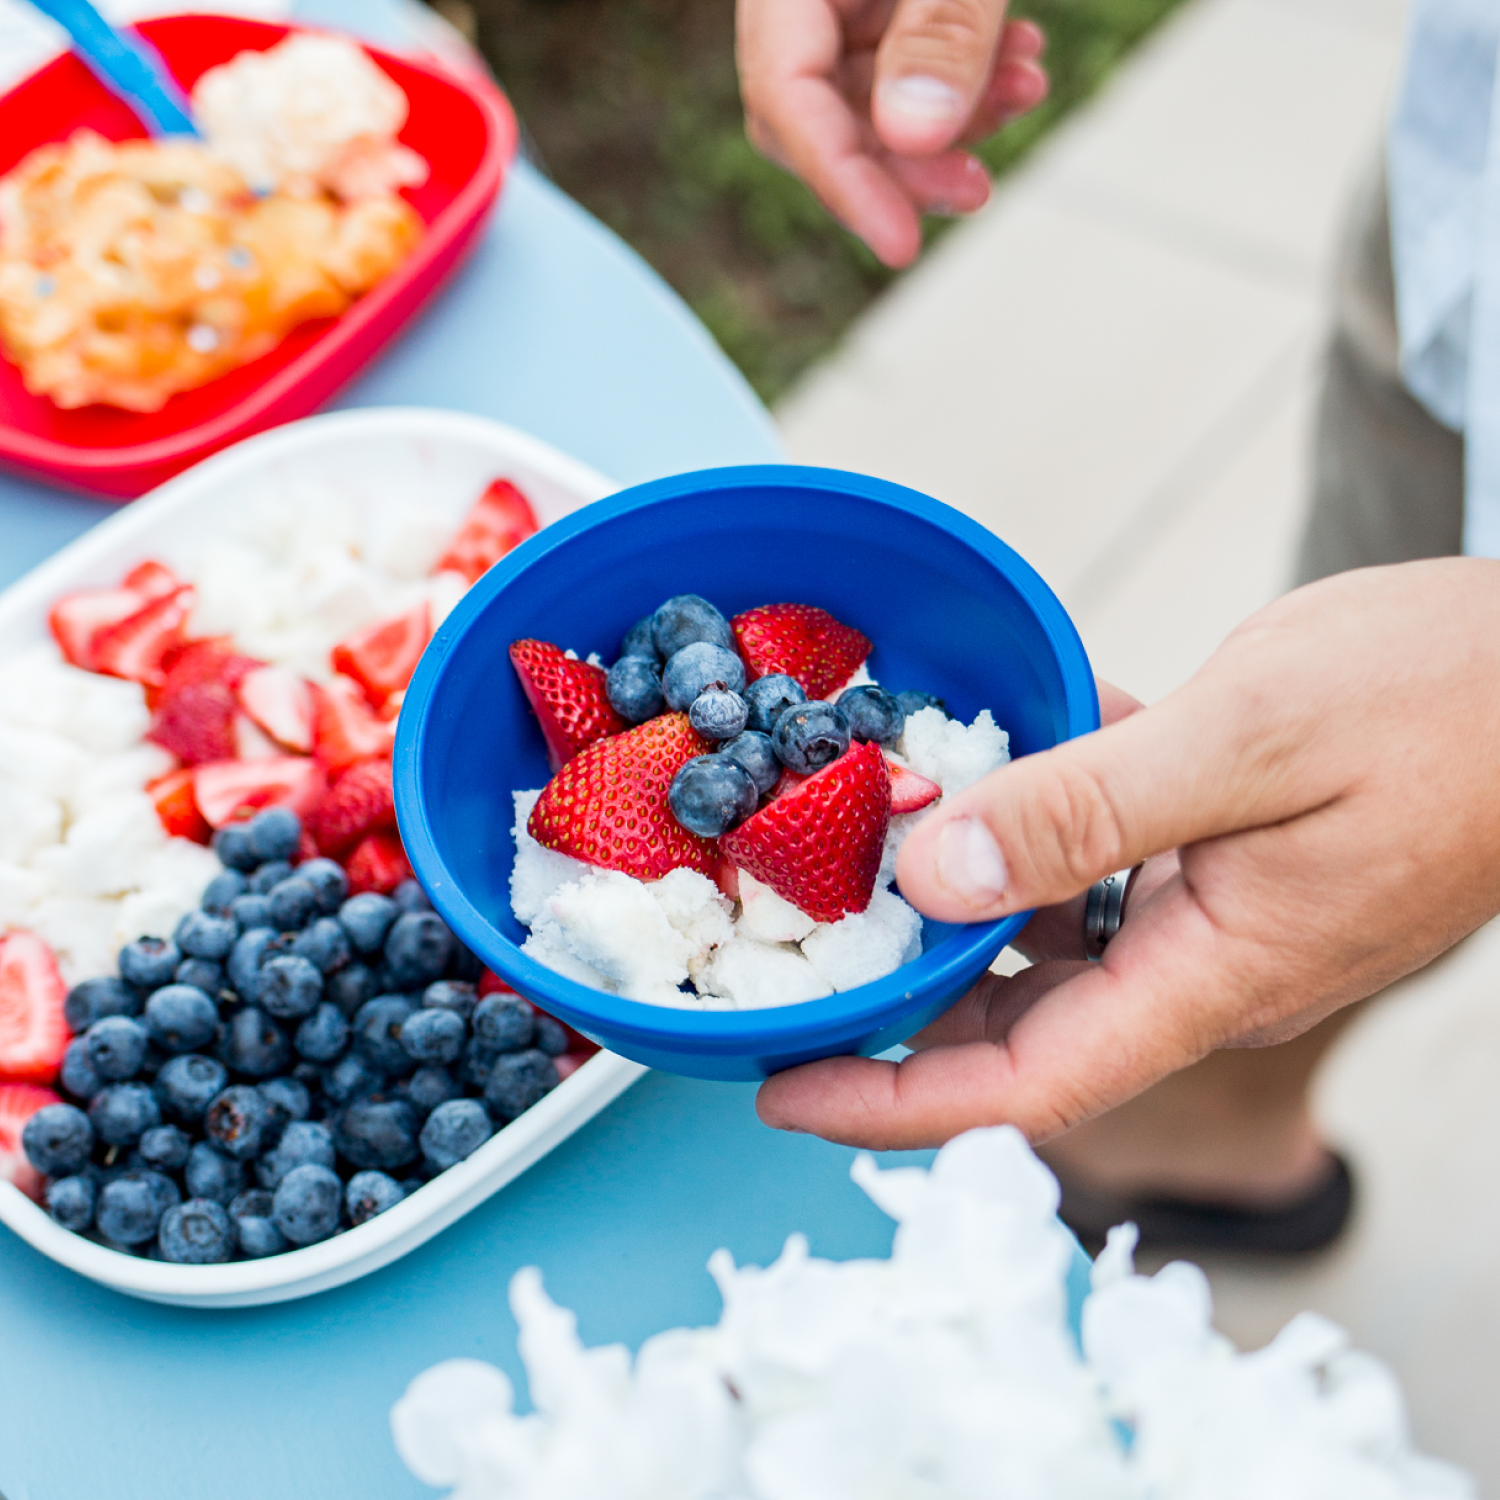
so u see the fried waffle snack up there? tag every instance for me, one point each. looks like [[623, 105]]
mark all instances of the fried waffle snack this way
[[132, 270]]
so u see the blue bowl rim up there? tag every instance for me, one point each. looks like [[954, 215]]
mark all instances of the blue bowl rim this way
[[866, 1008]]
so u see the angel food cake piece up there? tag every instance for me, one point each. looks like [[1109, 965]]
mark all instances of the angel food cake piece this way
[[736, 848], [131, 271]]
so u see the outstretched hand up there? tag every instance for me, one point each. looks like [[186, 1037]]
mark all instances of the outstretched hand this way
[[870, 102], [1324, 796]]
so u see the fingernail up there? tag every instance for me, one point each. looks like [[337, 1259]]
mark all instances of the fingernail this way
[[969, 862], [921, 98]]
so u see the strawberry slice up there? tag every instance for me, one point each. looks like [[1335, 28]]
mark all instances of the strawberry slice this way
[[361, 801], [33, 1034], [501, 518], [152, 580], [18, 1102], [377, 863], [345, 728], [177, 807], [136, 647], [910, 792], [382, 657], [195, 706], [229, 789], [818, 845], [77, 619], [281, 702], [608, 805], [567, 697], [801, 640]]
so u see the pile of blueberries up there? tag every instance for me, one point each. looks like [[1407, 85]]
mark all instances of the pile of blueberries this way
[[292, 1062], [683, 658]]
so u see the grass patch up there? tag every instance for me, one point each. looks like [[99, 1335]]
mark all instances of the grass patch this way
[[634, 109]]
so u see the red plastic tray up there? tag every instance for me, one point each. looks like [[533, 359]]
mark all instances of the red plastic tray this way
[[464, 128]]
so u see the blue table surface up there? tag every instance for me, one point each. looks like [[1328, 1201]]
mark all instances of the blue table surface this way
[[554, 326]]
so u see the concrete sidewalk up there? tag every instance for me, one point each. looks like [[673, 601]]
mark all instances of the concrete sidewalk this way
[[1114, 367]]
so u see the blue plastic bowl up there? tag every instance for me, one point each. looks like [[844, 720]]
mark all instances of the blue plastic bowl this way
[[951, 610]]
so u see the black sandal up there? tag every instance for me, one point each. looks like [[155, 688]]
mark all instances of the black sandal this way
[[1309, 1224]]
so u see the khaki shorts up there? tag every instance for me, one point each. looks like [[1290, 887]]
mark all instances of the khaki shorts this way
[[1387, 476]]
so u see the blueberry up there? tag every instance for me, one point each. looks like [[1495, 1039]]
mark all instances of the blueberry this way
[[274, 833], [196, 1233], [685, 619], [152, 1062], [79, 1076], [370, 1193], [201, 934], [810, 737], [366, 918], [269, 875], [638, 641], [96, 998], [243, 968], [551, 1036], [323, 1035], [220, 894], [503, 1022], [232, 845], [450, 994], [211, 1174], [418, 949], [257, 1236], [873, 714], [754, 752], [433, 1036], [377, 1033], [453, 1131], [324, 944], [517, 1081], [149, 962], [409, 896], [913, 702], [290, 987], [696, 668], [378, 1133], [329, 884], [254, 1044], [710, 795], [466, 966], [202, 974], [236, 1122], [131, 1206], [429, 1087], [633, 686], [251, 910], [294, 903], [287, 1099], [303, 1143], [181, 1018], [770, 697], [351, 987], [70, 1200], [186, 1086], [307, 1204], [116, 1047], [718, 715], [165, 1148], [477, 1060], [351, 1078], [57, 1140]]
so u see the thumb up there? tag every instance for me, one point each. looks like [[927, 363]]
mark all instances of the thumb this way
[[931, 70], [1045, 827]]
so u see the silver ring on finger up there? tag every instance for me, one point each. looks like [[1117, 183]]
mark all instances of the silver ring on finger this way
[[1104, 911]]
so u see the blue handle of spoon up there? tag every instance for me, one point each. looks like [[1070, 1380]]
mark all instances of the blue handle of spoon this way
[[126, 65]]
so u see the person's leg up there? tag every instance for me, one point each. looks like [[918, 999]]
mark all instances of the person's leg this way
[[1236, 1130]]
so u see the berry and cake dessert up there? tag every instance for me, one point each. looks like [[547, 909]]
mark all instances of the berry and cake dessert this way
[[729, 799], [230, 1023]]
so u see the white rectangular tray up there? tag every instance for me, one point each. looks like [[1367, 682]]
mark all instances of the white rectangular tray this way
[[446, 459]]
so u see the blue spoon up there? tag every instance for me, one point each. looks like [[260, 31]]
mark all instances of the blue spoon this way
[[125, 65]]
